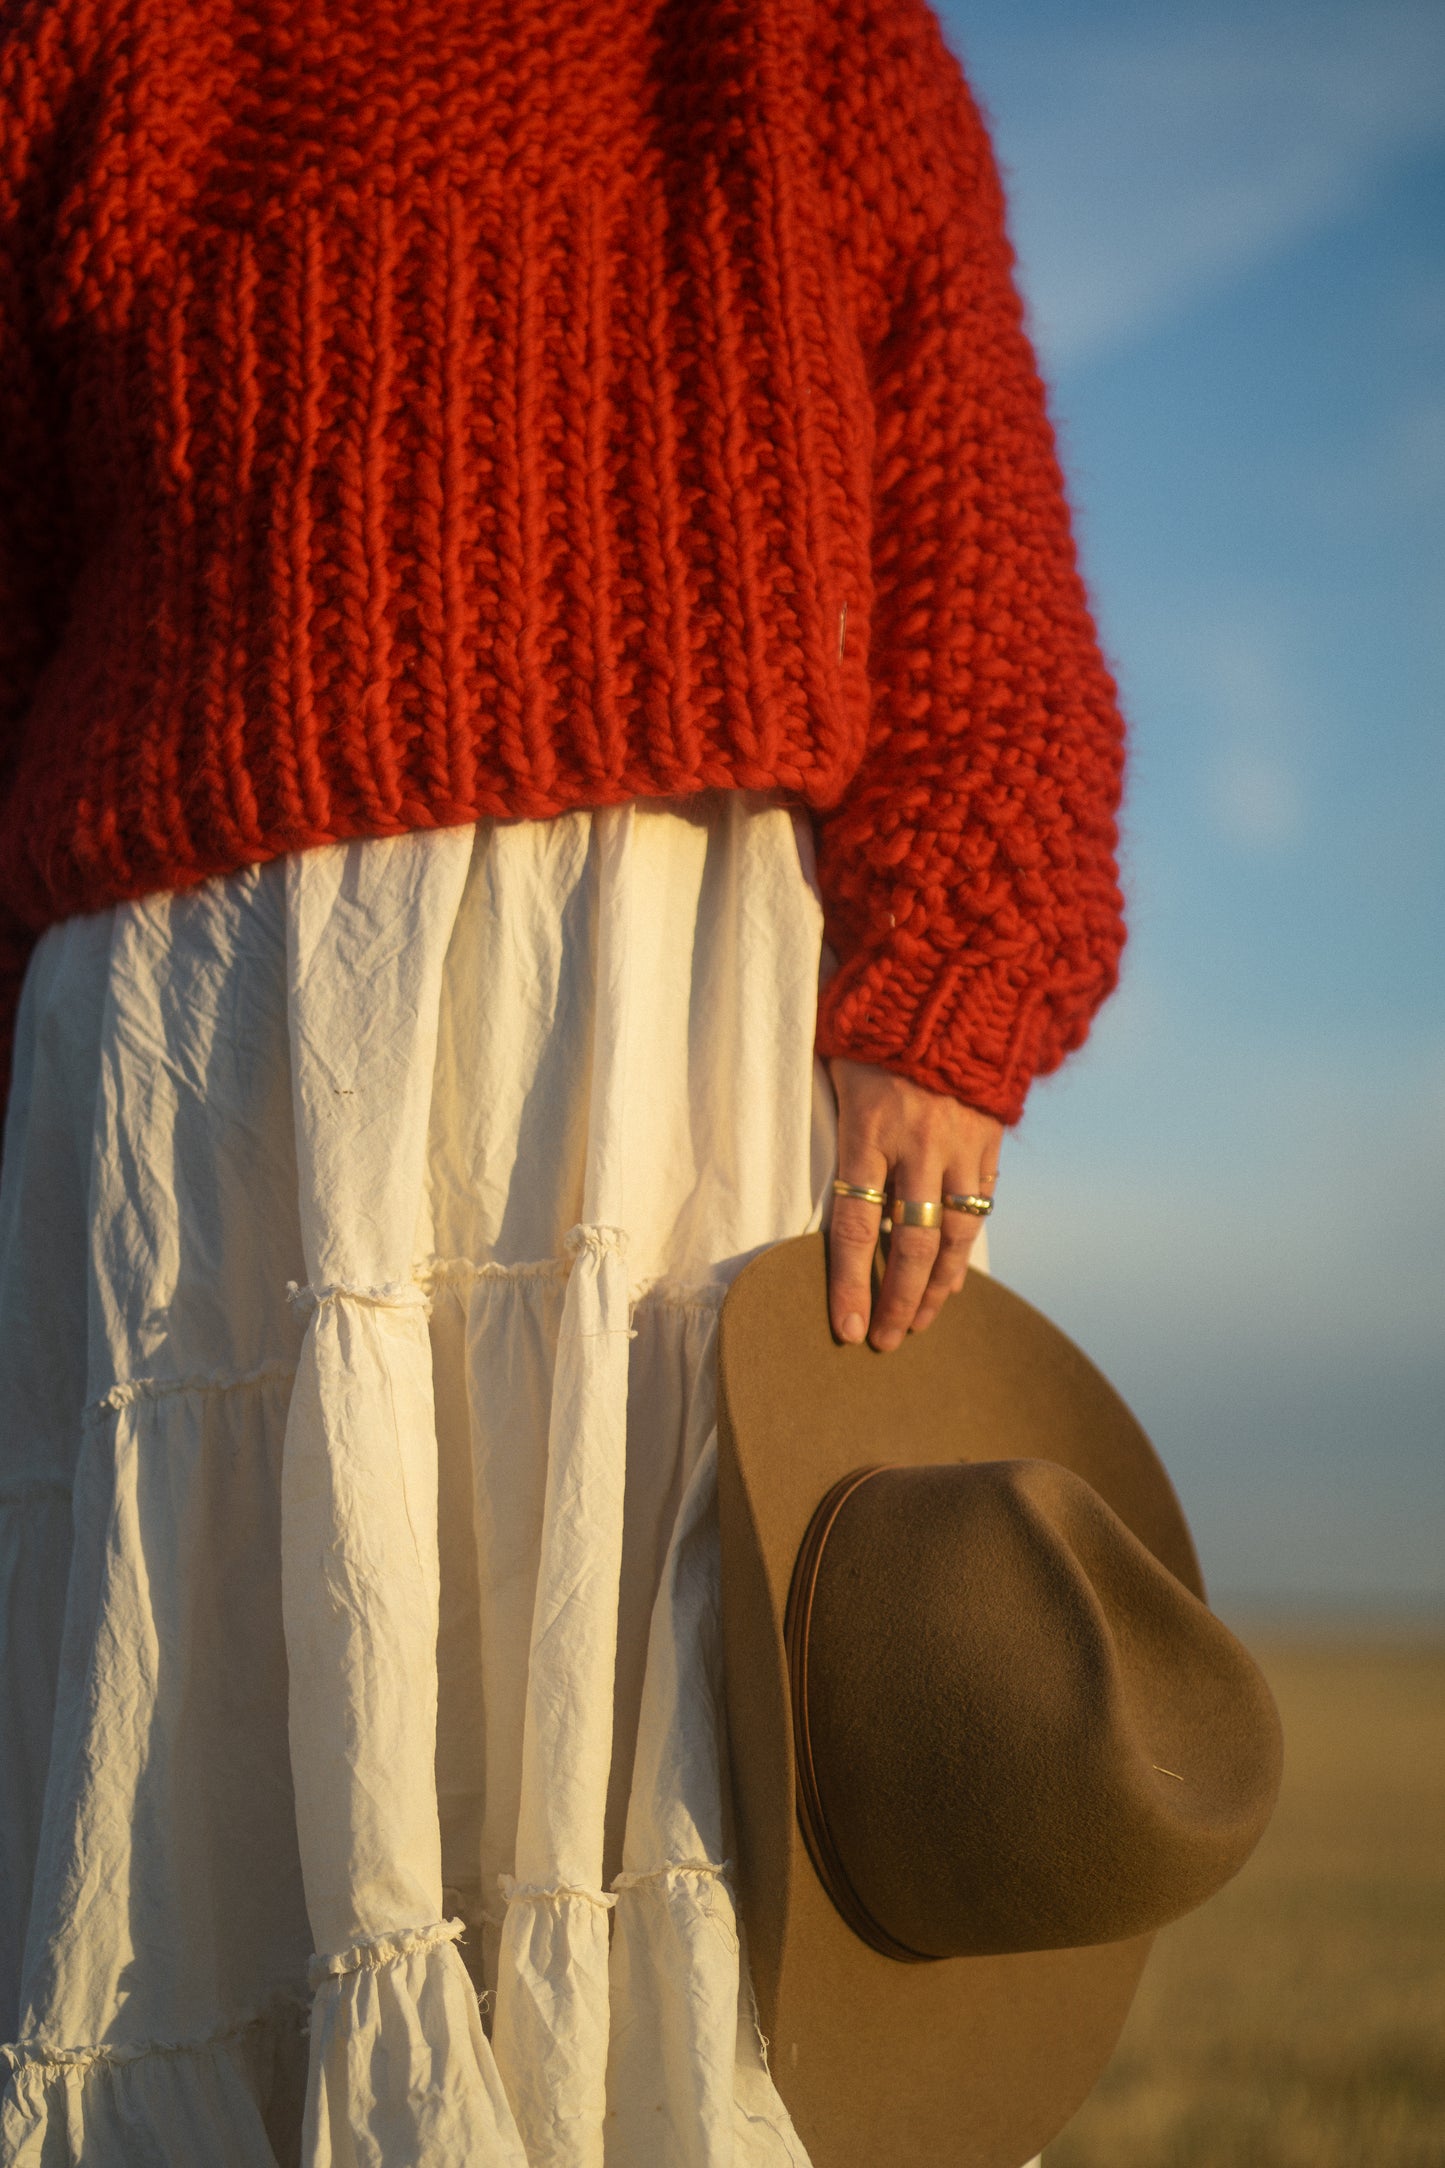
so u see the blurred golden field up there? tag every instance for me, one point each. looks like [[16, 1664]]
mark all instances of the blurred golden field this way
[[1298, 2020]]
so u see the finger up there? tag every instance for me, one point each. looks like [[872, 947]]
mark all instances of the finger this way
[[958, 1234], [852, 1239], [912, 1252]]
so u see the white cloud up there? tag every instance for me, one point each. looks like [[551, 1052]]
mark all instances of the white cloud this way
[[1150, 166]]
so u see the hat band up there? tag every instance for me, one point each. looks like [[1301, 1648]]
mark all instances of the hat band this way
[[812, 1821]]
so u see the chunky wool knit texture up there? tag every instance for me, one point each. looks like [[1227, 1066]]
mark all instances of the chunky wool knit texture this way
[[417, 410]]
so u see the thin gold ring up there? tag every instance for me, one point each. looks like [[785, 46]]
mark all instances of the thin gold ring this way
[[966, 1201], [858, 1189], [914, 1211]]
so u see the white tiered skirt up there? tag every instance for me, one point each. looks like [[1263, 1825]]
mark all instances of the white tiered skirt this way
[[364, 1222]]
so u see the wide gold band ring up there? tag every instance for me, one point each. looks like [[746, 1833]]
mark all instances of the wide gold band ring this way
[[965, 1201], [859, 1189], [914, 1211]]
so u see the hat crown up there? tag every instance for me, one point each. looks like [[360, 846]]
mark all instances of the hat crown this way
[[1025, 1733]]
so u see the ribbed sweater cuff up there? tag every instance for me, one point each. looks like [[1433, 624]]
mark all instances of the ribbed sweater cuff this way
[[956, 1024]]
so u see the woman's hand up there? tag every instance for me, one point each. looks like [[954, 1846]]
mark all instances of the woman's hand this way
[[896, 1135]]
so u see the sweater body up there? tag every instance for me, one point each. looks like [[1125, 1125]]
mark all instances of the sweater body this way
[[476, 408]]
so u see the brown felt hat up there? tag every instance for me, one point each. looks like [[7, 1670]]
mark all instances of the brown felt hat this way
[[986, 1734]]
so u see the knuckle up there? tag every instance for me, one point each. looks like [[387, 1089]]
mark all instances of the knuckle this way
[[915, 1244], [854, 1234]]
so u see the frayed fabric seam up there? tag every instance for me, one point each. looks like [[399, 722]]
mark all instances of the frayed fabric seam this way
[[407, 1294], [437, 1272], [383, 1950], [416, 1293], [598, 1236], [517, 1892], [662, 1292], [131, 1390], [25, 2055], [704, 1869], [389, 1295]]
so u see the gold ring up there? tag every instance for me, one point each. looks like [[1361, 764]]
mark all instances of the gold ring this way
[[965, 1201], [914, 1211], [858, 1189]]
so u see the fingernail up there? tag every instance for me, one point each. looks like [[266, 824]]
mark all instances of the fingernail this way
[[852, 1326]]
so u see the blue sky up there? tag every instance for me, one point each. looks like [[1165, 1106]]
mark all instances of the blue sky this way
[[1230, 221]]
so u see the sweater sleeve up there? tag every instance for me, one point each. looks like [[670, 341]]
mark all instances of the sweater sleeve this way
[[968, 874]]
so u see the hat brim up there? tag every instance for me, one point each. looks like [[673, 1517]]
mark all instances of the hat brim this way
[[963, 2062]]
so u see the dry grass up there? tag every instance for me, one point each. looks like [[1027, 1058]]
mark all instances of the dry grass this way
[[1298, 2020]]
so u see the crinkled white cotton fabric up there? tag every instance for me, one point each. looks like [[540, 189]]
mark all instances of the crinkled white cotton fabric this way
[[364, 1221]]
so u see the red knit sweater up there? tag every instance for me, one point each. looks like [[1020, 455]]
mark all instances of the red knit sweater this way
[[416, 410]]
